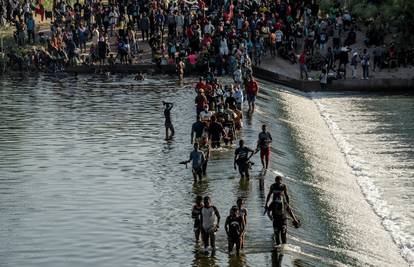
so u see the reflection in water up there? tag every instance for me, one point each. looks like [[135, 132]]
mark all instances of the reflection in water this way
[[277, 259], [235, 261]]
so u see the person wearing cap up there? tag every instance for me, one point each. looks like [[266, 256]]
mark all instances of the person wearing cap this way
[[234, 227]]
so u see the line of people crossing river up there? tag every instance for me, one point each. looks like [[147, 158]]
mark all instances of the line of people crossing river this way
[[219, 117]]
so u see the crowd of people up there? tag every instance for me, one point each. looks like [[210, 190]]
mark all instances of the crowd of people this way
[[218, 116], [203, 34]]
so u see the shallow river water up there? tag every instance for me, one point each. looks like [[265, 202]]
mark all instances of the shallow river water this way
[[87, 179]]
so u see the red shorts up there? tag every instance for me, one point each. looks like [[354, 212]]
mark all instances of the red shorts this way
[[265, 152]]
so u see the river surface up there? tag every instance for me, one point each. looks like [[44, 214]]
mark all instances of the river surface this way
[[87, 179]]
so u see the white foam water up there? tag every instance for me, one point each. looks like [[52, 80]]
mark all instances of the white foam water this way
[[371, 192]]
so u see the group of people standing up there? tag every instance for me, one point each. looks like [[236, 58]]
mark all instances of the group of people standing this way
[[219, 113], [207, 219], [197, 35]]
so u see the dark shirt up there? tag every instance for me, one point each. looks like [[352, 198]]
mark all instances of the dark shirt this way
[[235, 226], [167, 114], [278, 209], [277, 189], [264, 140], [216, 131], [198, 128], [231, 101], [242, 154], [201, 101]]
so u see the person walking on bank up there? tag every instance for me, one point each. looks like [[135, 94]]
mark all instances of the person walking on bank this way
[[365, 64], [241, 158], [168, 122], [196, 215], [302, 65], [263, 144], [354, 65], [323, 79], [234, 227], [30, 29], [210, 221]]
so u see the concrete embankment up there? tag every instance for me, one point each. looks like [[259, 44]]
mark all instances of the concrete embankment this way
[[372, 85]]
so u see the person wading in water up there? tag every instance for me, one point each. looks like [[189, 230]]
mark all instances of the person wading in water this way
[[277, 213], [180, 69], [210, 221], [252, 88], [278, 208], [241, 158], [198, 158], [168, 123], [243, 213], [234, 227], [196, 215], [263, 144], [198, 129]]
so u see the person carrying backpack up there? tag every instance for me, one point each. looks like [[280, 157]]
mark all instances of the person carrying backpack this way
[[234, 227]]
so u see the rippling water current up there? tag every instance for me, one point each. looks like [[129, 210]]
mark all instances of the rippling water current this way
[[86, 178]]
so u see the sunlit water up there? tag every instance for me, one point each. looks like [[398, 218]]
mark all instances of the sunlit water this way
[[87, 179]]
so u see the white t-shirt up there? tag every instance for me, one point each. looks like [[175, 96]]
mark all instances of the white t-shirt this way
[[279, 35], [238, 75], [209, 218], [238, 95], [205, 115]]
